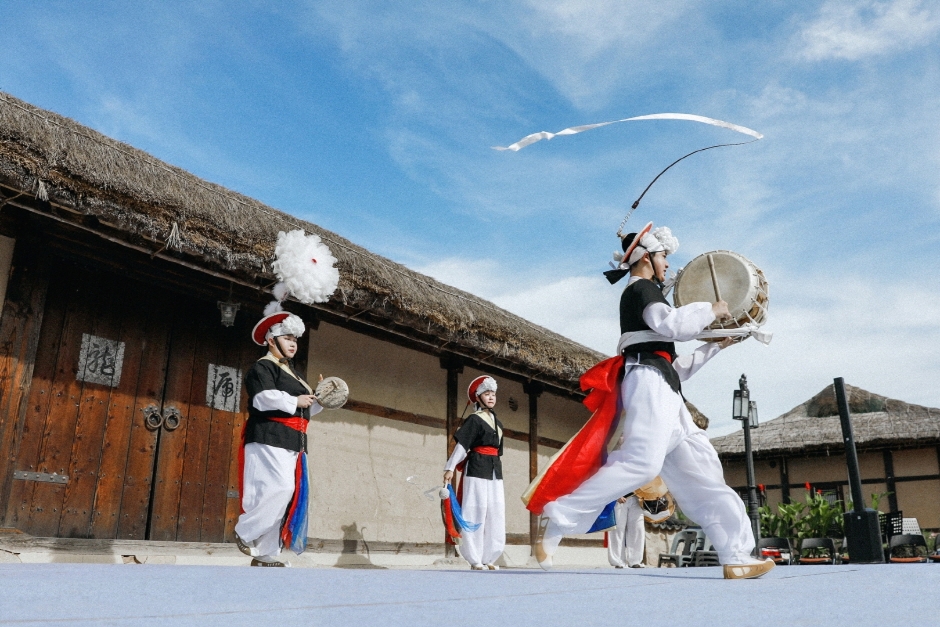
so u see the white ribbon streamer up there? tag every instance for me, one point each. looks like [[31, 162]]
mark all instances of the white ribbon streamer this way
[[574, 130], [749, 330]]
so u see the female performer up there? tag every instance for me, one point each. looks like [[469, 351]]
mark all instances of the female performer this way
[[480, 443], [275, 439]]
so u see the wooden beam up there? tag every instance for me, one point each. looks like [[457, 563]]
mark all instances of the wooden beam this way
[[889, 480], [533, 389], [784, 480], [437, 423]]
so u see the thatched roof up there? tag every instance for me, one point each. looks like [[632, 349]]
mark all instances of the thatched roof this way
[[814, 426], [143, 199]]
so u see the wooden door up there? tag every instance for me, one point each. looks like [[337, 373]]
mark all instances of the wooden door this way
[[196, 487], [86, 462]]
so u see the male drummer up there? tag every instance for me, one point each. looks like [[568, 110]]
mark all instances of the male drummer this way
[[659, 435]]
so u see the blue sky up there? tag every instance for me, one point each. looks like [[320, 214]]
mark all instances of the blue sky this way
[[375, 120]]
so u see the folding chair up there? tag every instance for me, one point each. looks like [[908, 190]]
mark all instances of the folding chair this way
[[815, 545], [777, 549], [908, 545]]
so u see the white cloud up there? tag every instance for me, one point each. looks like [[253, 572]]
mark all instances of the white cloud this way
[[853, 30]]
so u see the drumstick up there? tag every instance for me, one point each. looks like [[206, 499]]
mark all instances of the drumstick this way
[[711, 267]]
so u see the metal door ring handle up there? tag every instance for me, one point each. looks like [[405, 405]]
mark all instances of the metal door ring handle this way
[[152, 418], [172, 419]]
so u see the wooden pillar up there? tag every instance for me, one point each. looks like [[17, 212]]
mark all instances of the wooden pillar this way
[[20, 326], [889, 481], [784, 480], [533, 389], [454, 367]]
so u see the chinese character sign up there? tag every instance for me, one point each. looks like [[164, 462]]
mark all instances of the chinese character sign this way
[[223, 388], [100, 360]]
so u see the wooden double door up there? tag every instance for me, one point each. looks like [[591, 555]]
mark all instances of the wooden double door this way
[[134, 414]]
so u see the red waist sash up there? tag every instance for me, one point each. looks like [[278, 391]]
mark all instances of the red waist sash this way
[[664, 355], [294, 422], [486, 450]]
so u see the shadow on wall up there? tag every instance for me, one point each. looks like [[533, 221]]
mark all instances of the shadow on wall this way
[[350, 557]]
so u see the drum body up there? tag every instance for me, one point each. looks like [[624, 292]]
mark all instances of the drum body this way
[[741, 283], [332, 393]]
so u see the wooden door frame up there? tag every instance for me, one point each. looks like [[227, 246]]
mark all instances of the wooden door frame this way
[[20, 326]]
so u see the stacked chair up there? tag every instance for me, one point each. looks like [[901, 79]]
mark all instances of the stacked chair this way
[[689, 541]]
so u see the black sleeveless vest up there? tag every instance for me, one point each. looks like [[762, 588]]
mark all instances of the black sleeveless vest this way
[[635, 298]]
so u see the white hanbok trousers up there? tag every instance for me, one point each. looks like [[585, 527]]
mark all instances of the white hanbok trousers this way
[[267, 490], [483, 502], [660, 439], [626, 542]]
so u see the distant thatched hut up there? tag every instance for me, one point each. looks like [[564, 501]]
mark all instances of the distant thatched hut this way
[[120, 403], [898, 449]]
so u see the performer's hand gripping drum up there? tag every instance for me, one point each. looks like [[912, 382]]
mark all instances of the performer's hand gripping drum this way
[[728, 276]]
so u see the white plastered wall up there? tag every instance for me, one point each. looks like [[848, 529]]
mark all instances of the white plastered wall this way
[[360, 464]]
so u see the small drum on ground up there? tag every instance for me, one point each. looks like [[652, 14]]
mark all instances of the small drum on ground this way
[[332, 393], [656, 501], [734, 279]]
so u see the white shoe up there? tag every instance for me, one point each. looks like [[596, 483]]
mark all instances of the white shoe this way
[[492, 566], [477, 567], [543, 557], [641, 565]]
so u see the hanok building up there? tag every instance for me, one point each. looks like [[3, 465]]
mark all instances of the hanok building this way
[[898, 448], [121, 403]]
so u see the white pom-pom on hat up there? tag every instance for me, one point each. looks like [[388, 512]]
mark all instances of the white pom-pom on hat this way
[[305, 266], [669, 241]]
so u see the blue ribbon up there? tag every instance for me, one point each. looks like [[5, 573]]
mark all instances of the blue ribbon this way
[[458, 515], [298, 522]]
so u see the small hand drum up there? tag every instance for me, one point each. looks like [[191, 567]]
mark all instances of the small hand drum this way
[[731, 276], [332, 393]]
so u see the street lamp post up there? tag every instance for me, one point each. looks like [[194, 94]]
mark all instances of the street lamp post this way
[[745, 410]]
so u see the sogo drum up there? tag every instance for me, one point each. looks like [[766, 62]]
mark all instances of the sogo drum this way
[[728, 276]]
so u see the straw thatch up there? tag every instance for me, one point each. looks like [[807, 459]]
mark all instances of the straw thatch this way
[[53, 158], [814, 426]]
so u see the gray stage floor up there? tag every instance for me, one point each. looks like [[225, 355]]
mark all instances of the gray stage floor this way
[[95, 594]]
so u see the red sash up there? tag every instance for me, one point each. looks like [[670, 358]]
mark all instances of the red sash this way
[[486, 450], [664, 355], [586, 452]]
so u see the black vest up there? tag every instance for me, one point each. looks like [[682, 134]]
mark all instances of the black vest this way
[[264, 374], [475, 432], [635, 298]]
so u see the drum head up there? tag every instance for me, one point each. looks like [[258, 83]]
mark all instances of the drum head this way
[[332, 393], [740, 282]]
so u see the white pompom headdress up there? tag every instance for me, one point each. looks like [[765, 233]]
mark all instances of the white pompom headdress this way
[[305, 268]]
